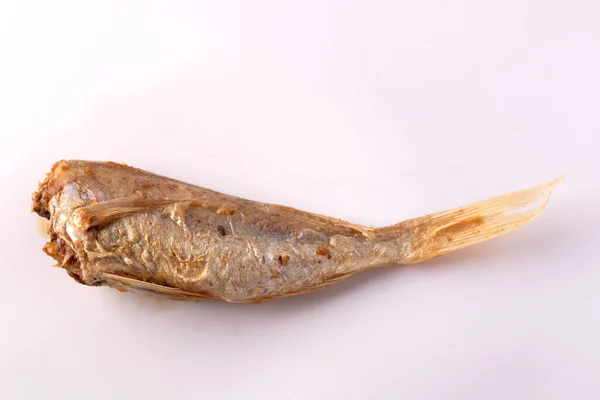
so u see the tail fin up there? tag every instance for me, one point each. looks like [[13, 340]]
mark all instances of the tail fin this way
[[438, 234]]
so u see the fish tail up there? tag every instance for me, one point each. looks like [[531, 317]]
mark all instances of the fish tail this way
[[442, 233]]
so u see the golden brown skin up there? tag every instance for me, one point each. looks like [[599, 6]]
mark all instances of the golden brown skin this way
[[115, 225]]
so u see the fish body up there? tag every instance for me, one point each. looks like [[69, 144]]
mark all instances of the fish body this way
[[111, 224]]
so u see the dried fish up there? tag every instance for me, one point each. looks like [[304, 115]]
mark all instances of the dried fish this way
[[111, 224]]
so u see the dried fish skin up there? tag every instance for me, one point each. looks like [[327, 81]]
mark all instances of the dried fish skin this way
[[111, 224]]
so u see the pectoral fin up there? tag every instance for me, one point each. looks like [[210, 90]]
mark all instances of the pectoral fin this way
[[111, 210]]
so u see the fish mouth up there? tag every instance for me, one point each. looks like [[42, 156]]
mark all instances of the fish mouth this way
[[60, 249]]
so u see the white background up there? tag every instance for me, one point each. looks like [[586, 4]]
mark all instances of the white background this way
[[370, 111]]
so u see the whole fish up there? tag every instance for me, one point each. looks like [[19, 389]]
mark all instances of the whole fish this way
[[111, 224]]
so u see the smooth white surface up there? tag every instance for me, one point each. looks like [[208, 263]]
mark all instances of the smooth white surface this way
[[371, 111]]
